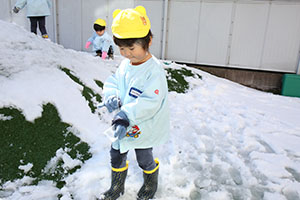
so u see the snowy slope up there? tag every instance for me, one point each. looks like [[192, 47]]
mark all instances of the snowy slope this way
[[227, 141]]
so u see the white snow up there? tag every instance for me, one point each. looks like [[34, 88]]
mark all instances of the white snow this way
[[26, 168], [227, 141], [3, 117]]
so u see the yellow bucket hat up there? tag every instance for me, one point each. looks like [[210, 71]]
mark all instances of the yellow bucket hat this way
[[130, 23], [100, 22]]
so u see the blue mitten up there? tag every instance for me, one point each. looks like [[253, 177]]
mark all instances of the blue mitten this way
[[120, 123], [112, 103]]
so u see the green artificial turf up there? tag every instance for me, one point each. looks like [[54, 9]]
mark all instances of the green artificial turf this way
[[87, 92], [23, 142], [99, 83], [176, 80]]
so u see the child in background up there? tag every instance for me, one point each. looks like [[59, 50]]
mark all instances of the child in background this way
[[102, 42], [139, 90], [37, 10]]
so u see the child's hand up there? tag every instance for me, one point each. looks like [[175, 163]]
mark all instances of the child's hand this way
[[120, 123], [87, 44], [16, 10], [112, 103]]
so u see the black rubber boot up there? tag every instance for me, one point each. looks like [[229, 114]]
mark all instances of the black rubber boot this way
[[118, 177], [149, 187], [110, 53]]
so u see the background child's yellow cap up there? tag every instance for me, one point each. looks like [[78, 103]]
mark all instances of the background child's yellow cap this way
[[130, 23], [100, 22]]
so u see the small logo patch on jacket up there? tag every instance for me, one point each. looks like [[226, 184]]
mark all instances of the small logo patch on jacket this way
[[134, 132], [134, 92]]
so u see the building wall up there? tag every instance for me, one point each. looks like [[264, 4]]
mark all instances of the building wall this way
[[245, 34]]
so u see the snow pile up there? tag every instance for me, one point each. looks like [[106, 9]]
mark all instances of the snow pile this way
[[227, 141]]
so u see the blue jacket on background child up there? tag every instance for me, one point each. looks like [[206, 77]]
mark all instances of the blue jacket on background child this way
[[35, 8]]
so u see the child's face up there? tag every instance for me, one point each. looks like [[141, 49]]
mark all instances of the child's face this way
[[100, 33], [135, 53]]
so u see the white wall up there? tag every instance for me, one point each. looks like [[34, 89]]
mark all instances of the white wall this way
[[282, 37], [213, 37], [249, 34]]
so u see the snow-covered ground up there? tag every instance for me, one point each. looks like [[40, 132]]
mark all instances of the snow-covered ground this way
[[227, 141]]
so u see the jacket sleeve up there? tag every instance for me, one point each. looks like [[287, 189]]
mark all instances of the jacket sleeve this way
[[91, 39], [21, 4], [110, 87], [149, 102]]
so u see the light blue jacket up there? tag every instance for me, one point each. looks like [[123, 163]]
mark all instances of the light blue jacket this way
[[143, 92], [102, 42], [35, 8]]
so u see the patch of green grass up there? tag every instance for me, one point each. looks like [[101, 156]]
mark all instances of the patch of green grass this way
[[176, 80], [23, 142], [87, 92], [99, 83]]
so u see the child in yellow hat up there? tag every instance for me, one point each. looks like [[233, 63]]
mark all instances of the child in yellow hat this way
[[101, 40], [138, 90]]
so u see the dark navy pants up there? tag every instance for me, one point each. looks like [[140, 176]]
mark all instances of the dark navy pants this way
[[34, 21], [144, 158]]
